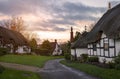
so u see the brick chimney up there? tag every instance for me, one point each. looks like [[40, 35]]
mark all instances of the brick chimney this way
[[55, 41], [109, 6], [71, 35]]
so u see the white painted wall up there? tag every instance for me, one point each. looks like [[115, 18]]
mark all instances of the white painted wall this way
[[117, 44], [56, 52], [80, 51], [21, 50]]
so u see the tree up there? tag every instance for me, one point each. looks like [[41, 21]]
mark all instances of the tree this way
[[29, 35], [46, 45], [15, 23], [33, 44], [77, 35]]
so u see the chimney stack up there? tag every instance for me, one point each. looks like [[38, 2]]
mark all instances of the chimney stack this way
[[71, 35], [85, 28], [109, 6], [55, 41]]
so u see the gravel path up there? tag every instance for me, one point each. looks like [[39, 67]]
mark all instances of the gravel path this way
[[20, 67], [54, 70]]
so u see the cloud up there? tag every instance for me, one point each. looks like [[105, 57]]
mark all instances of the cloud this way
[[61, 12]]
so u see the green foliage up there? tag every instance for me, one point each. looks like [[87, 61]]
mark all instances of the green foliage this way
[[32, 60], [67, 56], [46, 45], [42, 52], [117, 59], [93, 59], [33, 44], [1, 69], [111, 64], [3, 51], [66, 47], [102, 73], [117, 62], [117, 66], [83, 57], [77, 35], [16, 74]]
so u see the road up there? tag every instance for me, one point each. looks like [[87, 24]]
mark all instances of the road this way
[[54, 70]]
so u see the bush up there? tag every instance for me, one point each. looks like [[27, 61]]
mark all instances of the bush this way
[[117, 62], [111, 64], [117, 66], [117, 59], [93, 59], [42, 52], [83, 57], [67, 56], [3, 51], [1, 69]]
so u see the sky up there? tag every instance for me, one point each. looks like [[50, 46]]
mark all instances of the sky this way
[[52, 19]]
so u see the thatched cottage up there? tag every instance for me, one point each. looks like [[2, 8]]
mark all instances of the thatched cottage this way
[[104, 39], [14, 41]]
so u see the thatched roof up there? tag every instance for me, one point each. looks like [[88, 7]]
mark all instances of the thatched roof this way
[[53, 45], [109, 24], [8, 36], [80, 43]]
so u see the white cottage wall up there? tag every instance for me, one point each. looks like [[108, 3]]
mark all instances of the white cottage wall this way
[[117, 45], [80, 51], [73, 52]]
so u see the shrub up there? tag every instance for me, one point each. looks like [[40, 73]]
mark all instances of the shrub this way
[[117, 66], [117, 59], [84, 57], [3, 51], [43, 52], [117, 62], [93, 59], [67, 56], [111, 64], [1, 69]]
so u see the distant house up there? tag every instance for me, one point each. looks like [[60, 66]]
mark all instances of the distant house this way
[[56, 49], [104, 39], [79, 47], [14, 41]]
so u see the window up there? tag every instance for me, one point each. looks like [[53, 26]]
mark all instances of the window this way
[[106, 46], [94, 47]]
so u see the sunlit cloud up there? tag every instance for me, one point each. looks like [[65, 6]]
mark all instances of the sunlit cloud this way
[[52, 19]]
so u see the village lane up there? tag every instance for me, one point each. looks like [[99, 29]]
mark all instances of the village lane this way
[[54, 70]]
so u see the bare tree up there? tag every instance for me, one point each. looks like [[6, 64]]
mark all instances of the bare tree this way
[[15, 23], [29, 35]]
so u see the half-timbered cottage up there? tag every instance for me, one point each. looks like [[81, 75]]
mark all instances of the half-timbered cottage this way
[[104, 39], [14, 41]]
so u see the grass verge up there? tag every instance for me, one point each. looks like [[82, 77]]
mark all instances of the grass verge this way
[[15, 74], [32, 60], [94, 70]]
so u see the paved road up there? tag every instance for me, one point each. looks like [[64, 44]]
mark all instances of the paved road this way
[[54, 70]]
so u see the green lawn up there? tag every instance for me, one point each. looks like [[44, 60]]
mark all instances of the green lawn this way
[[94, 70], [32, 60], [15, 74]]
